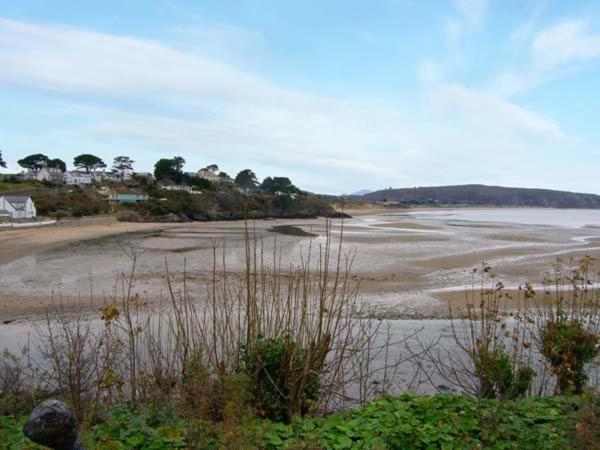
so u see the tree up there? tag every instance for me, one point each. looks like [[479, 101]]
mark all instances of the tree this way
[[2, 162], [212, 168], [169, 168], [178, 163], [123, 165], [164, 168], [279, 184], [34, 162], [88, 162], [246, 180], [57, 164]]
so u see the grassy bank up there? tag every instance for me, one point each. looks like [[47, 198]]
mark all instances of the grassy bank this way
[[406, 422]]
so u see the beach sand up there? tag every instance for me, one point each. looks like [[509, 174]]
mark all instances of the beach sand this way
[[409, 263]]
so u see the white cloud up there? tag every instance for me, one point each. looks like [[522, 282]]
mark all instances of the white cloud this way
[[473, 10], [481, 111], [553, 52], [565, 42], [469, 18], [208, 111]]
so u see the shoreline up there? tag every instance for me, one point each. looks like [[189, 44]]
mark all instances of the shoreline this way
[[404, 263]]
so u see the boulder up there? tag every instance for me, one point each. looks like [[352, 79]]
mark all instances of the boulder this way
[[52, 423]]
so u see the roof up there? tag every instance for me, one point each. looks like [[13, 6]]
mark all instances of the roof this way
[[51, 169], [17, 201], [126, 191], [166, 182], [16, 198]]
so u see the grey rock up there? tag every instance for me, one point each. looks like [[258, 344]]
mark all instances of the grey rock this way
[[52, 423]]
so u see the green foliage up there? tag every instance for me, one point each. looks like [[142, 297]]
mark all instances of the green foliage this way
[[201, 184], [229, 204], [246, 180], [8, 185], [145, 429], [271, 365], [586, 432], [497, 377], [123, 165], [58, 164], [11, 434], [169, 168], [406, 422], [88, 162], [34, 162], [568, 347], [2, 162], [69, 202], [443, 421], [279, 184]]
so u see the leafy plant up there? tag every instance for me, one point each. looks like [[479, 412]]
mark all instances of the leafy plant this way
[[276, 367], [568, 347], [497, 377]]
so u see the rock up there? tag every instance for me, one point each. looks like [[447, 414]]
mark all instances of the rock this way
[[52, 423]]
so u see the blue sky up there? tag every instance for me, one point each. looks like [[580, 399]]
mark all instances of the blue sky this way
[[336, 95]]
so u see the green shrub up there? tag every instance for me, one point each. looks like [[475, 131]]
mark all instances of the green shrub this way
[[568, 347], [406, 422], [273, 366], [497, 377], [586, 432]]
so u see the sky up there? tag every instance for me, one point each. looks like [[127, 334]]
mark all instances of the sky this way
[[337, 95]]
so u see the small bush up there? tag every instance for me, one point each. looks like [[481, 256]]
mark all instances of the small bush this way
[[497, 377], [586, 434], [568, 347], [274, 366]]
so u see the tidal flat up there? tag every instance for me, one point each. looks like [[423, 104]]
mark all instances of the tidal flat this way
[[409, 263]]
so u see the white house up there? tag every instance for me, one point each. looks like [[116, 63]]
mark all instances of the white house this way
[[53, 174], [16, 207], [170, 185], [101, 175], [209, 175], [78, 178]]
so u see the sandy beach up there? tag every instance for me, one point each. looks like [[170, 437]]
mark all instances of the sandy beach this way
[[409, 262]]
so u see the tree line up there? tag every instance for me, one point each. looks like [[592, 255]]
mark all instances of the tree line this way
[[87, 162], [246, 180], [169, 168]]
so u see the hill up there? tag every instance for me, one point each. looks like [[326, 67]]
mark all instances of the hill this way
[[481, 195], [361, 193]]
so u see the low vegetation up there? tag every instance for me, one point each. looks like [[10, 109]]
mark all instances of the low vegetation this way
[[405, 422], [287, 357], [172, 194]]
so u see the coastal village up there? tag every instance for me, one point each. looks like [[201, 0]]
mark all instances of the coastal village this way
[[45, 190]]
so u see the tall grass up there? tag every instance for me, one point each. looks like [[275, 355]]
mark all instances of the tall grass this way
[[281, 340], [500, 342]]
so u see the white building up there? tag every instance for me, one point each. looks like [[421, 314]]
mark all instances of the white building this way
[[16, 207], [53, 174], [78, 178], [209, 175], [170, 185], [101, 175]]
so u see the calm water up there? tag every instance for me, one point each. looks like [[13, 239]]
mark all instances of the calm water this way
[[570, 218]]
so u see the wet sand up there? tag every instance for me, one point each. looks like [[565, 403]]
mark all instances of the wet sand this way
[[409, 262]]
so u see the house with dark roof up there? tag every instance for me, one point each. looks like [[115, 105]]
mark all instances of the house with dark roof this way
[[17, 207]]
